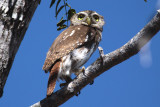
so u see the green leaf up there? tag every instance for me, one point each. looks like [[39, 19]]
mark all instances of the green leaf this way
[[71, 12], [57, 5], [145, 0], [60, 23], [62, 27], [59, 29], [53, 1], [59, 10], [60, 20]]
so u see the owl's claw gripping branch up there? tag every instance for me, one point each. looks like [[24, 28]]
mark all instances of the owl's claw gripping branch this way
[[79, 71], [101, 54], [83, 70]]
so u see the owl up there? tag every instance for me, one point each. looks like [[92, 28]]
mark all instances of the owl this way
[[73, 47]]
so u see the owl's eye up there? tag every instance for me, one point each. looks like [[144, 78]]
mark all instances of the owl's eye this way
[[96, 17], [81, 16]]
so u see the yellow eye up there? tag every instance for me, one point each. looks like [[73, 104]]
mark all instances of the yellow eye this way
[[96, 17], [81, 16]]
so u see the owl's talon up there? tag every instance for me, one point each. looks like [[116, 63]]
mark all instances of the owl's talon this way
[[77, 94], [101, 54], [91, 83], [77, 72], [83, 70]]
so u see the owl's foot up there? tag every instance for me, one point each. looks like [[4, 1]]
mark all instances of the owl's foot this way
[[77, 94], [77, 72], [83, 70], [101, 54]]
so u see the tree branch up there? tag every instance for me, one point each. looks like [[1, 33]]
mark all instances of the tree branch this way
[[15, 16], [131, 48]]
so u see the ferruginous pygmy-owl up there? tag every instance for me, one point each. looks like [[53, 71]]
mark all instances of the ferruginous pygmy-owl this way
[[73, 47]]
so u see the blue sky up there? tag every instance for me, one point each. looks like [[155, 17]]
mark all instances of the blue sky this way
[[129, 84]]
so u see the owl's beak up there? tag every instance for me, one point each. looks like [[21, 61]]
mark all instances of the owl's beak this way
[[88, 21]]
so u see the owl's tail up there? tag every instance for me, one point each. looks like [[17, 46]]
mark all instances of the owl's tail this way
[[53, 78]]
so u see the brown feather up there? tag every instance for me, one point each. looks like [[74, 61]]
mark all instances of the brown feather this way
[[52, 78], [65, 43]]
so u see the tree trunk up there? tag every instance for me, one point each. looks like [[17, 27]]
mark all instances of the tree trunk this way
[[15, 16]]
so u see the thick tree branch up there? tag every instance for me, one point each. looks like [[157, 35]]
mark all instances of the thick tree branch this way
[[15, 16], [131, 48]]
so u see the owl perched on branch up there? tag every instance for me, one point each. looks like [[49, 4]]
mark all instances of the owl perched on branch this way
[[73, 47]]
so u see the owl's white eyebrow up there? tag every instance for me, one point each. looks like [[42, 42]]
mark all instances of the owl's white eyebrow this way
[[82, 13], [95, 14]]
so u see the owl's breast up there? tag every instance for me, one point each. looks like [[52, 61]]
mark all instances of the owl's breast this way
[[81, 55], [75, 59]]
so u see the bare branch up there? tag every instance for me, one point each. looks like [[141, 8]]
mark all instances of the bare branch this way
[[131, 48], [15, 16]]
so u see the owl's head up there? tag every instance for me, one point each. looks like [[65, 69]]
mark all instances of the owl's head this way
[[88, 18]]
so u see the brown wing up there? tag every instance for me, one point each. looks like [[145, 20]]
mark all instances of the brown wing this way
[[67, 41]]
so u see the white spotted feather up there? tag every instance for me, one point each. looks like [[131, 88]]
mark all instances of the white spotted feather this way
[[78, 57]]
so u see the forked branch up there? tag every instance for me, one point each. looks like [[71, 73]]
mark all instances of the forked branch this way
[[131, 48]]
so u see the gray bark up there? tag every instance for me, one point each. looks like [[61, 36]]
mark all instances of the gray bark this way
[[15, 16], [102, 64]]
